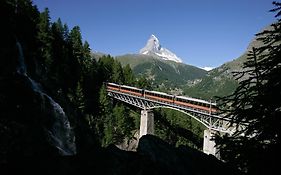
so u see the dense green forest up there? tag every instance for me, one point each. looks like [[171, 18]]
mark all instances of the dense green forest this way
[[57, 58]]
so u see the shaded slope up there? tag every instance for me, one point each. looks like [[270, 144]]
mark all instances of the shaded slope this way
[[221, 81], [167, 73], [153, 156]]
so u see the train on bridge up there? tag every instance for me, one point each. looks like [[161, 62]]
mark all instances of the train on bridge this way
[[189, 102]]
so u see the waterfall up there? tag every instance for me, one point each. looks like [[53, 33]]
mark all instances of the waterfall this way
[[60, 134], [21, 68]]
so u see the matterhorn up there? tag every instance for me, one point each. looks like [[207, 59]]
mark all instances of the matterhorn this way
[[153, 48]]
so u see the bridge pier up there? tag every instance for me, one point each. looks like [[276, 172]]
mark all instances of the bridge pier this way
[[209, 145], [146, 123]]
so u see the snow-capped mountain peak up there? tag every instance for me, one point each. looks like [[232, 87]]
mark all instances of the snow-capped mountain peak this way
[[153, 47]]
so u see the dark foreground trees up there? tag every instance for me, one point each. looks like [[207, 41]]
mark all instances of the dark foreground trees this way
[[58, 59], [256, 148]]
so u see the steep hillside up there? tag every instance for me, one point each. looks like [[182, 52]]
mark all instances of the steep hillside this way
[[162, 72], [220, 81]]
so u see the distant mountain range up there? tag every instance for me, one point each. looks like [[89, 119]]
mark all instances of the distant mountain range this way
[[167, 72]]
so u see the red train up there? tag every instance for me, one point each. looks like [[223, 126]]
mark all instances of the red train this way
[[197, 104]]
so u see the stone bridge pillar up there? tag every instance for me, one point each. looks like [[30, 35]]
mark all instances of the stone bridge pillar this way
[[209, 145], [146, 123]]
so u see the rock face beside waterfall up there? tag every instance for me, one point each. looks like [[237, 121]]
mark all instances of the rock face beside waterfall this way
[[32, 123]]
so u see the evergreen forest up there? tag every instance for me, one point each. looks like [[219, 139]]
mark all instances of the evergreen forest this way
[[53, 103]]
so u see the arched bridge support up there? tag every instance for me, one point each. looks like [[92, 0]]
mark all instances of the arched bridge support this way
[[146, 123]]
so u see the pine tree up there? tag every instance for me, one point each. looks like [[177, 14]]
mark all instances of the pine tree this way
[[105, 64], [44, 36], [86, 60], [123, 122], [103, 121], [65, 32], [143, 83], [119, 123], [129, 78], [256, 148], [80, 101], [117, 73], [76, 42], [57, 65]]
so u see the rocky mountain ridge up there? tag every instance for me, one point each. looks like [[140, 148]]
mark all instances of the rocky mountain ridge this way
[[154, 48]]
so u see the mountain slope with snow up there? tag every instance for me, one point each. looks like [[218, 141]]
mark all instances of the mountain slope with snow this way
[[153, 48]]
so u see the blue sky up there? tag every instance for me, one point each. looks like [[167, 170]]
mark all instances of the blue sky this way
[[201, 32]]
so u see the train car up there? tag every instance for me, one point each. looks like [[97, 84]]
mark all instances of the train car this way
[[125, 89], [195, 103], [113, 86], [159, 96], [131, 90]]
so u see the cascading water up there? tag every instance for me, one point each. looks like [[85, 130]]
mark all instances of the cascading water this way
[[21, 68], [60, 133]]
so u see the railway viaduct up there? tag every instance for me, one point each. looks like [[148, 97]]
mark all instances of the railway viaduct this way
[[214, 123]]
